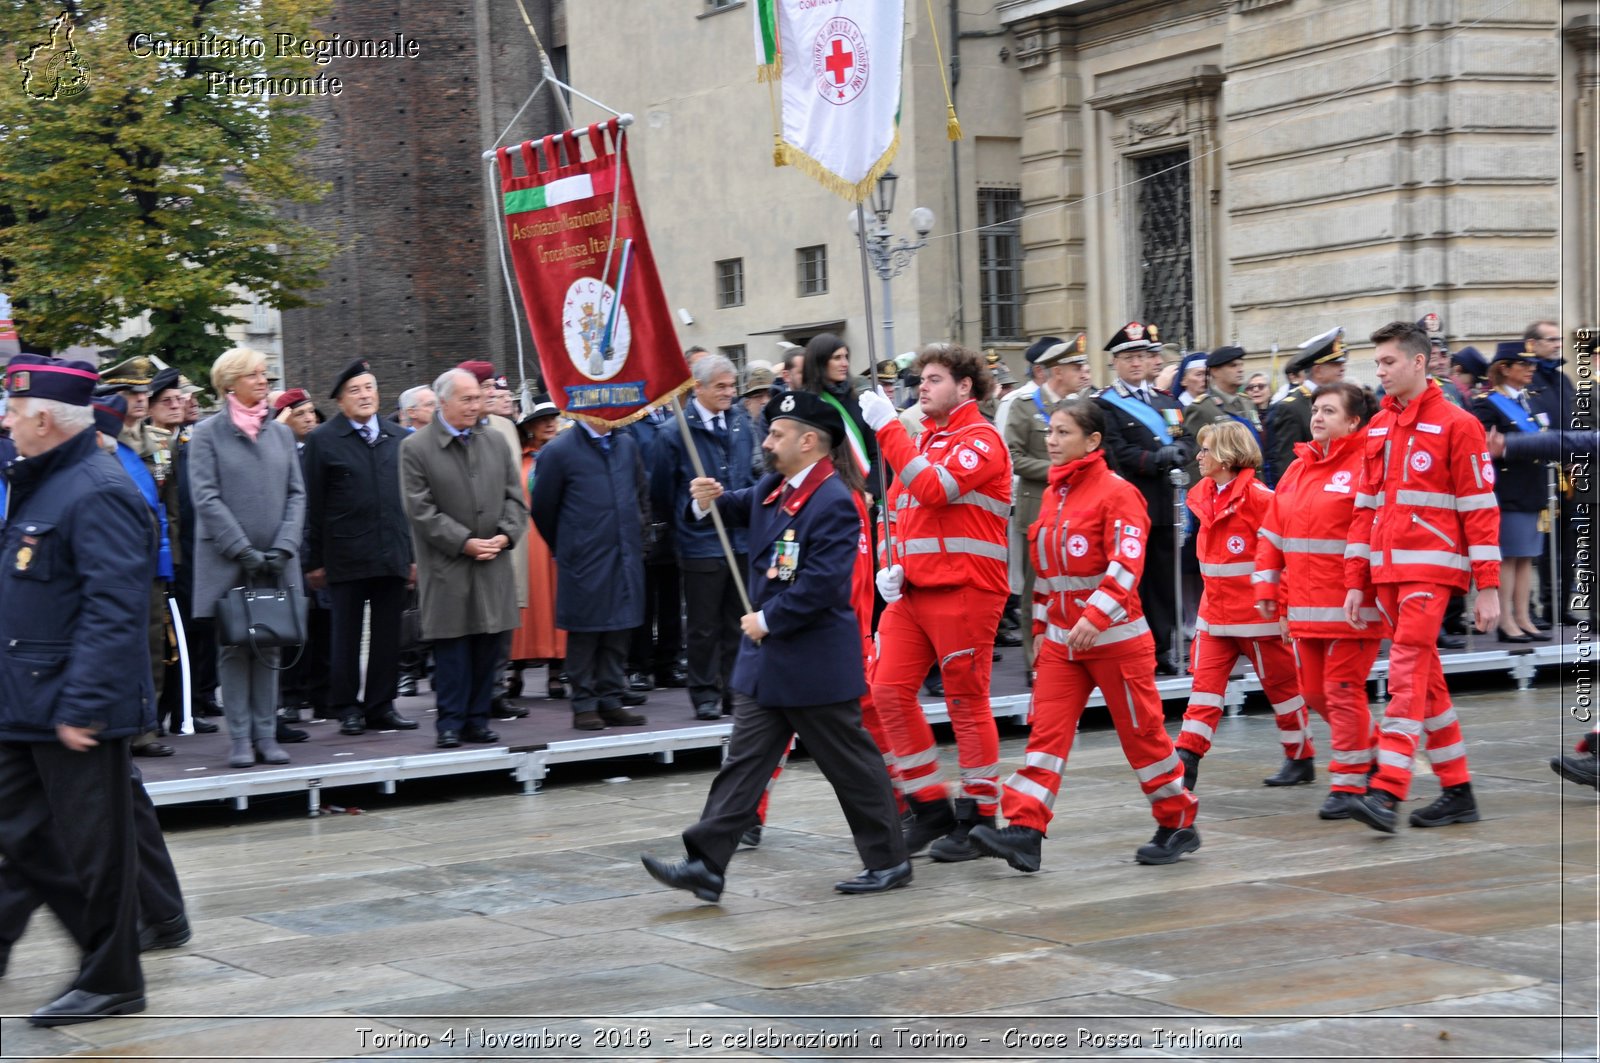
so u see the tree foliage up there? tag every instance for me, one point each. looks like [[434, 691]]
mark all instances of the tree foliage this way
[[133, 183]]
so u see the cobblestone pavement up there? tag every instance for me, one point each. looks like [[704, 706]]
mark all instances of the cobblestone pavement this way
[[462, 922]]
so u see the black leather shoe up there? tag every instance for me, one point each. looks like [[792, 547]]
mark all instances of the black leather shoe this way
[[633, 697], [352, 723], [167, 934], [622, 718], [752, 837], [934, 686], [556, 689], [1541, 636], [290, 735], [1446, 641], [389, 720], [153, 749], [588, 721], [1375, 808], [76, 1005], [1168, 844], [208, 708], [407, 687], [691, 875], [1191, 768], [480, 735], [202, 726], [448, 739], [640, 683], [1292, 773], [1581, 768], [1166, 667], [955, 847], [708, 710], [1007, 638], [677, 678], [870, 881], [934, 819], [1518, 638], [501, 709], [1337, 806], [1017, 846], [1454, 804]]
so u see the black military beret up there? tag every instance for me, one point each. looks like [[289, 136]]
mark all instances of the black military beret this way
[[810, 410], [351, 371]]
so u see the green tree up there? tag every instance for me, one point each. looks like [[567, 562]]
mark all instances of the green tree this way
[[136, 178]]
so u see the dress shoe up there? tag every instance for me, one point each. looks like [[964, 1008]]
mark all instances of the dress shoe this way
[[1454, 804], [389, 720], [288, 734], [1447, 641], [588, 720], [77, 1005], [1191, 768], [622, 718], [676, 678], [1166, 667], [407, 687], [556, 688], [1017, 846], [479, 735], [934, 819], [1168, 844], [1519, 637], [752, 837], [153, 749], [352, 723], [691, 875], [633, 697], [448, 739], [870, 881], [956, 847], [1292, 772], [934, 686], [1541, 635], [1582, 768], [514, 683], [202, 726], [1007, 638], [501, 709], [167, 934], [1337, 805], [209, 707], [640, 683], [995, 655], [708, 710], [1375, 808]]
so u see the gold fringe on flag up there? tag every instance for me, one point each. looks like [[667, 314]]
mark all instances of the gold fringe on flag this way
[[856, 192]]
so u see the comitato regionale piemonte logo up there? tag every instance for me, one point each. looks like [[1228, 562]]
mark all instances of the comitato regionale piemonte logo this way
[[54, 70]]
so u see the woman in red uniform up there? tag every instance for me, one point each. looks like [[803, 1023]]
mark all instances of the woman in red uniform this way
[[1229, 503], [1088, 548], [1301, 586]]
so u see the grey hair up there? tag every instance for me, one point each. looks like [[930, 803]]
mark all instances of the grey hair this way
[[712, 366], [409, 397], [67, 417], [444, 386]]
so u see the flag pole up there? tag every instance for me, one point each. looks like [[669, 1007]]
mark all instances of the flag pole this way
[[716, 515], [872, 375]]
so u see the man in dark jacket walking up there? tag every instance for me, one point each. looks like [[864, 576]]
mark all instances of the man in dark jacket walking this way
[[77, 557], [590, 502], [358, 546]]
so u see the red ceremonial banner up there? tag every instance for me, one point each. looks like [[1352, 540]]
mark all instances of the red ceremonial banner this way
[[578, 239]]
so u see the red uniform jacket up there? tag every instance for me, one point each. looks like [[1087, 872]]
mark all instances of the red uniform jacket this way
[[1425, 511], [1230, 519], [1088, 548], [1300, 555]]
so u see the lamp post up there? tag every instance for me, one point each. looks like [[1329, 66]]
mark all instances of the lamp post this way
[[888, 257]]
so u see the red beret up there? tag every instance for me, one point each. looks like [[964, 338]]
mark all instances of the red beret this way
[[292, 397], [482, 370]]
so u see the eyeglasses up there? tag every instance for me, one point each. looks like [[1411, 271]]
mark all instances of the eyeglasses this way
[[1255, 387]]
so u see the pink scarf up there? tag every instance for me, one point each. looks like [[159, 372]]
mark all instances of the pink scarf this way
[[248, 419]]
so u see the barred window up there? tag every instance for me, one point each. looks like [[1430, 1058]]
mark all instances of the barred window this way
[[1164, 247], [730, 282], [735, 354], [812, 265], [1000, 263]]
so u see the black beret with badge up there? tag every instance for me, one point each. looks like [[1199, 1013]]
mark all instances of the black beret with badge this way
[[350, 372], [809, 410], [1224, 355]]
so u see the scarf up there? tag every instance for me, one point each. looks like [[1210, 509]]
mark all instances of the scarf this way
[[248, 419]]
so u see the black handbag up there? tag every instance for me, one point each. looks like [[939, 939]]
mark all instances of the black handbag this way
[[262, 618]]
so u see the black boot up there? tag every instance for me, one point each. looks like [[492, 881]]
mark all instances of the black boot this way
[[1375, 808], [1191, 768], [1292, 773], [1453, 805], [955, 848], [1017, 846], [1583, 768], [934, 819], [1168, 844], [1337, 805]]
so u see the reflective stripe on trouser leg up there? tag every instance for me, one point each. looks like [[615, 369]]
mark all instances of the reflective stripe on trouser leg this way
[[766, 794], [1129, 686], [1060, 691], [962, 624], [1418, 611], [1274, 664], [1354, 739], [905, 654], [1446, 750], [1212, 661]]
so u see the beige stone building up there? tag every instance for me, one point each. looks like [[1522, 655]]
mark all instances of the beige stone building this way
[[757, 254]]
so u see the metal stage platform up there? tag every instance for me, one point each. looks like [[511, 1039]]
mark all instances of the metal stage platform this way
[[529, 748]]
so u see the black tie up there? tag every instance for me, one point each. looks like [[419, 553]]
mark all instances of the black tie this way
[[370, 431]]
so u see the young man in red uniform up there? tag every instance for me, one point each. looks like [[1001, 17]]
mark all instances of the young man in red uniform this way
[[946, 586], [1425, 522]]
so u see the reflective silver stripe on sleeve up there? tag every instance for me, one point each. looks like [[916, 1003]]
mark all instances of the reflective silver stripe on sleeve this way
[[1441, 721], [952, 490], [1041, 611], [1232, 568], [1358, 550], [918, 759], [963, 545], [1328, 615], [1028, 788], [1399, 725], [1158, 769], [1108, 637], [1068, 583], [1046, 761], [1442, 558], [1483, 553], [1108, 605], [1206, 700], [919, 546], [1314, 546], [1453, 751], [1469, 503], [913, 467], [983, 502], [1272, 537], [1367, 501], [1266, 575], [1242, 631], [1197, 728], [1172, 789], [1123, 577], [1436, 499]]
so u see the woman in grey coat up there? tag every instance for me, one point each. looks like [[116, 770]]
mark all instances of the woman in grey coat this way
[[249, 504]]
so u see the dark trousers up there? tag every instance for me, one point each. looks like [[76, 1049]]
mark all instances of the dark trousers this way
[[595, 662], [712, 605], [306, 682], [67, 827], [847, 757], [463, 678], [201, 635], [387, 595], [1156, 592], [658, 642]]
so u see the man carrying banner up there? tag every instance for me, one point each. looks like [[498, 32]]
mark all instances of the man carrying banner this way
[[946, 586]]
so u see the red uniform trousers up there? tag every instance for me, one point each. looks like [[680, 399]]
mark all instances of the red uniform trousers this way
[[1212, 660], [953, 628], [1333, 680], [880, 738], [1061, 689], [1418, 697]]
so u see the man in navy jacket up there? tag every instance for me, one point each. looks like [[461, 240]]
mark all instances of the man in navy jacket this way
[[799, 669]]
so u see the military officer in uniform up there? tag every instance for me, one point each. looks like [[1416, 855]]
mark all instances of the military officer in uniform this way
[[799, 669], [1222, 400], [1321, 360]]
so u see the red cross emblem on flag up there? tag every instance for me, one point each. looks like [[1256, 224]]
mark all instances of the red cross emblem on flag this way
[[839, 61]]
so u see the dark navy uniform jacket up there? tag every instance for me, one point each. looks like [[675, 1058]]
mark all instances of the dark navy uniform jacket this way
[[812, 652], [77, 556]]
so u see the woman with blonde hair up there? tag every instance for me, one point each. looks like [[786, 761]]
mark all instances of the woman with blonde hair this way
[[1229, 504], [249, 503]]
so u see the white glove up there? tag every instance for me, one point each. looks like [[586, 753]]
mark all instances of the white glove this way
[[876, 409], [889, 581]]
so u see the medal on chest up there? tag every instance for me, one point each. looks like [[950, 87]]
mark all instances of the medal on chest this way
[[24, 558], [785, 558]]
